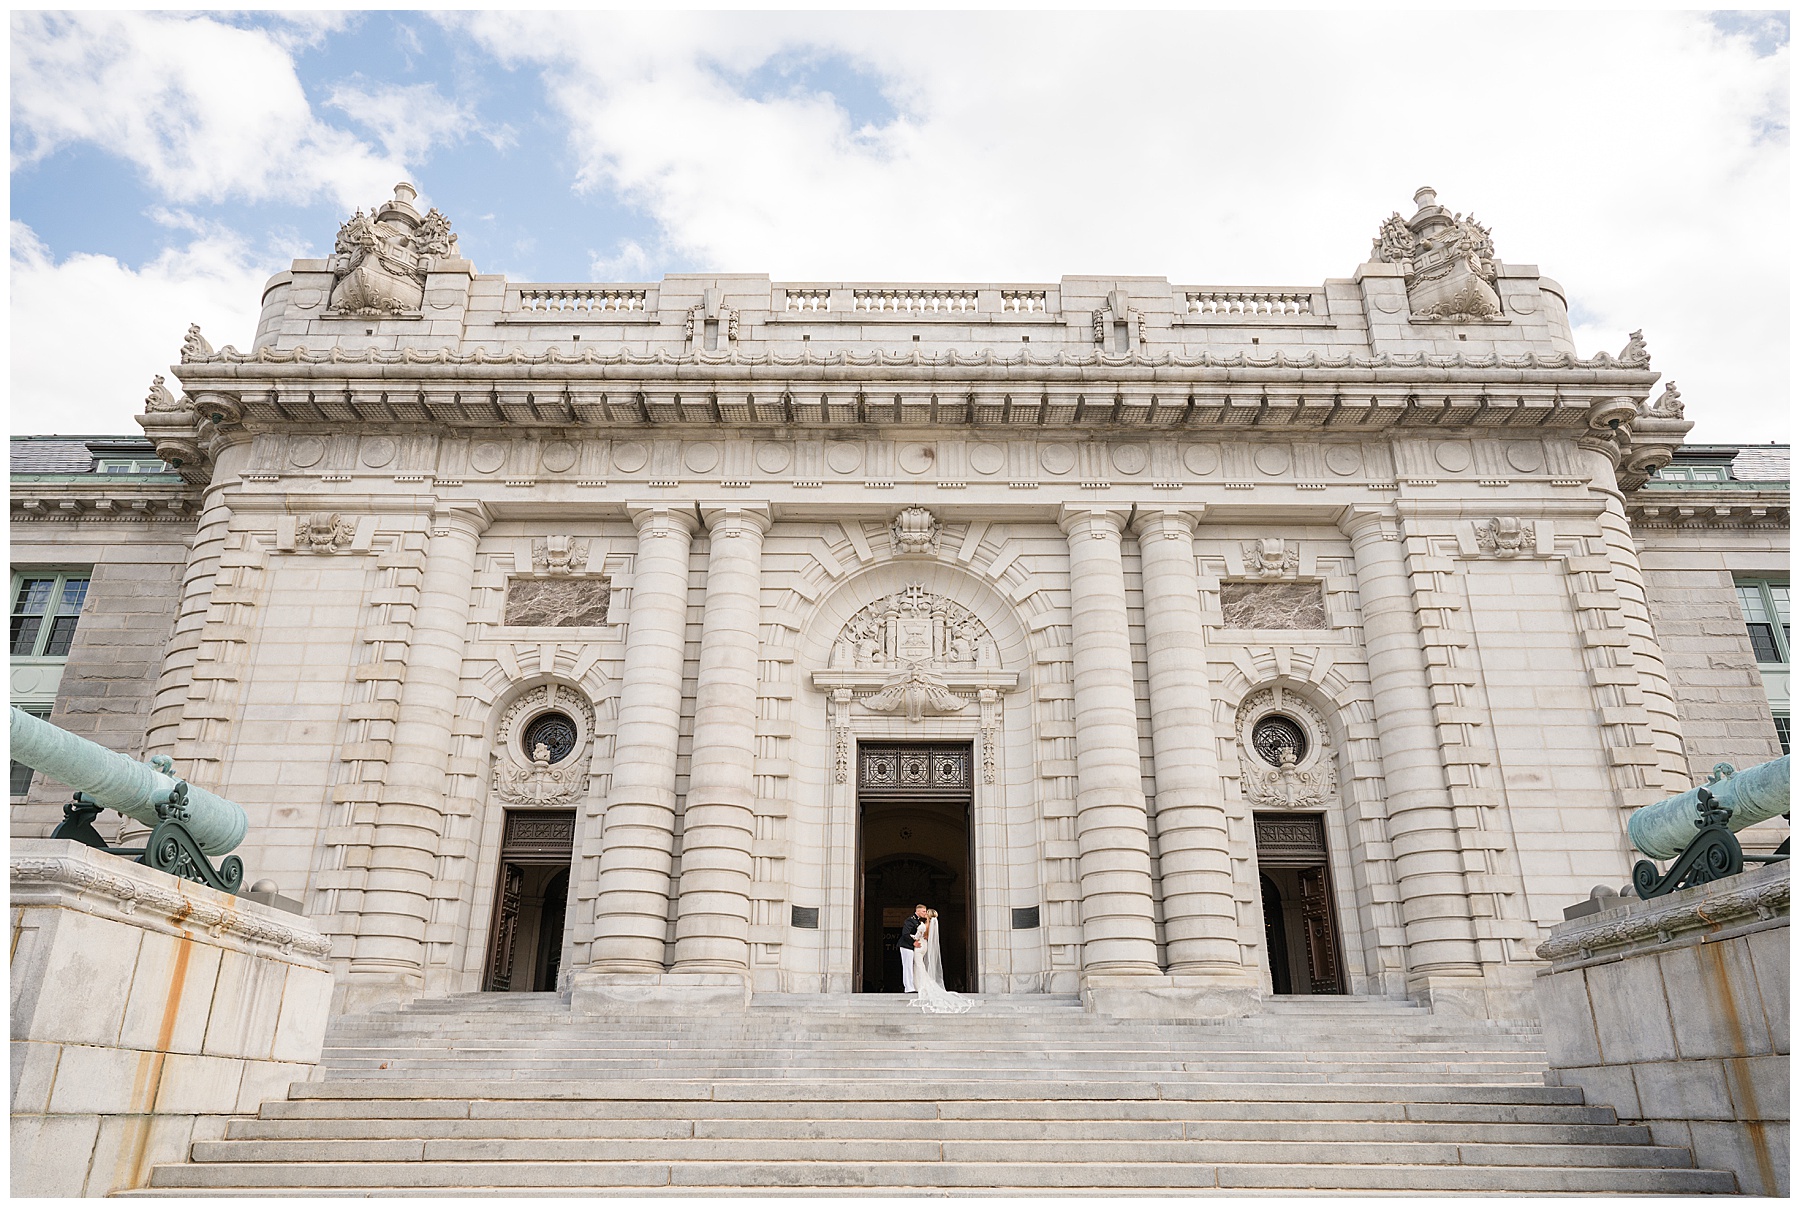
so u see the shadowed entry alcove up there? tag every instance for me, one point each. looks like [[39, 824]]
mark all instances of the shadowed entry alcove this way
[[1299, 923], [914, 845], [526, 940]]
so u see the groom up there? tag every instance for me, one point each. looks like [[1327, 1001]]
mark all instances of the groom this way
[[909, 935]]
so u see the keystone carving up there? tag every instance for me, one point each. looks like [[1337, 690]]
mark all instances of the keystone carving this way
[[559, 555], [380, 260], [915, 531], [1448, 261], [915, 690], [323, 532], [1506, 536], [1271, 557]]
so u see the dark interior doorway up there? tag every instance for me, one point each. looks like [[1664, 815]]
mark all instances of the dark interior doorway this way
[[532, 899], [914, 845], [1299, 918]]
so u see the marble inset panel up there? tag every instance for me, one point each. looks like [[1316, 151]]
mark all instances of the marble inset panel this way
[[560, 602], [1273, 605]]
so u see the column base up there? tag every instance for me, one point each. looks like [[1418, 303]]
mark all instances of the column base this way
[[592, 993], [1166, 997], [1498, 994]]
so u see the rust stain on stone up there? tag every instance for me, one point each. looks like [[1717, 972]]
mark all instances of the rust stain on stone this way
[[1714, 975], [150, 1068]]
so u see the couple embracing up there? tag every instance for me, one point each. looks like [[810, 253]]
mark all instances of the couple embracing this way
[[922, 964]]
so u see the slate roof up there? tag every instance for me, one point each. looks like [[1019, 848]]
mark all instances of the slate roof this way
[[72, 454], [1761, 463]]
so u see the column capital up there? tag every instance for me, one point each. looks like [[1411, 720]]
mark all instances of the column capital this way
[[658, 519], [732, 519], [470, 515], [1157, 522], [1098, 520], [1356, 521]]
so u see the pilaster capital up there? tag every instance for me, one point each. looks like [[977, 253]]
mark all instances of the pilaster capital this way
[[736, 519], [468, 516], [1378, 522], [1157, 523], [663, 519], [1094, 520]]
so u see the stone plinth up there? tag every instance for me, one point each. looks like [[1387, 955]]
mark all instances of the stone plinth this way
[[1674, 1012], [145, 1011]]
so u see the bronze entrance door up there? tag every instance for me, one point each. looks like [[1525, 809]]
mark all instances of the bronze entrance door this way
[[531, 901], [1299, 921], [914, 844]]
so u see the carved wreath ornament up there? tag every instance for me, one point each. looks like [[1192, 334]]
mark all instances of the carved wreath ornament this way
[[1295, 774], [541, 776]]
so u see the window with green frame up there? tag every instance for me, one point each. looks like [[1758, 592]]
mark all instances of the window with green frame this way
[[1765, 605], [46, 608]]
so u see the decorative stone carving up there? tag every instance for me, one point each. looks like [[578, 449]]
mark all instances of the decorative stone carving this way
[[1273, 606], [323, 532], [1118, 309], [917, 691], [194, 347], [534, 778], [1270, 557], [557, 602], [1447, 259], [914, 626], [915, 532], [380, 260], [1305, 779], [1667, 405], [159, 398], [1635, 351], [559, 555], [1506, 536], [725, 316]]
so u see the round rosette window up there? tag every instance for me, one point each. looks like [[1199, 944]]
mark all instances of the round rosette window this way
[[1279, 740], [555, 733]]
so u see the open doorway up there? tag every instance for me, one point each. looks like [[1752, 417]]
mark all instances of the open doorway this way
[[532, 899], [914, 845], [1299, 919]]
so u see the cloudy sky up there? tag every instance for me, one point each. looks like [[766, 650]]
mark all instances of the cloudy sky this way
[[163, 166]]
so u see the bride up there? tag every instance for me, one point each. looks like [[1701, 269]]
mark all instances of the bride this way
[[929, 976]]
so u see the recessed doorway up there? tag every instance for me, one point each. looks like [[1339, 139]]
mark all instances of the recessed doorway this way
[[914, 845], [532, 901], [1299, 919]]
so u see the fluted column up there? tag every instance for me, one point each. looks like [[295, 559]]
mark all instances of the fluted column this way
[[1118, 927], [1422, 830], [409, 815], [631, 915], [1199, 912], [712, 927]]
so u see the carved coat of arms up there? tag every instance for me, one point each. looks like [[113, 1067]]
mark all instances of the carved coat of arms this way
[[381, 259]]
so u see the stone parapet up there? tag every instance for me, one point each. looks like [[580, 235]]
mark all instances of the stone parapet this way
[[1674, 1012], [145, 1011]]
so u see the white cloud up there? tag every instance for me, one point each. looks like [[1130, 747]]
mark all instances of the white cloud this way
[[1639, 158], [630, 261], [96, 330], [409, 119], [205, 110]]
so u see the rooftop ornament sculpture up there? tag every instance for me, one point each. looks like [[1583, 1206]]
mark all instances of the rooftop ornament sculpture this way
[[188, 824], [1728, 802]]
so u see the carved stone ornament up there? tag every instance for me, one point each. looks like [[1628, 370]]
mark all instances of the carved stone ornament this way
[[915, 531], [1271, 557], [1118, 309], [533, 778], [323, 532], [1506, 536], [1448, 261], [726, 317], [1667, 405], [914, 626], [915, 691], [559, 555], [194, 347], [1304, 779], [159, 398], [1635, 352], [380, 260]]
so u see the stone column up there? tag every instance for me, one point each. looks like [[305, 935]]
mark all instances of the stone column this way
[[712, 927], [409, 815], [631, 917], [1199, 912], [1118, 927], [1422, 830]]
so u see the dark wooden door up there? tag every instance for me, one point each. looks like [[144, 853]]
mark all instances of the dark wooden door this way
[[1321, 937], [506, 928]]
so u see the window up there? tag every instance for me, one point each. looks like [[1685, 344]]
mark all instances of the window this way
[[1765, 606], [46, 607], [1694, 474], [130, 465], [1781, 730], [21, 775]]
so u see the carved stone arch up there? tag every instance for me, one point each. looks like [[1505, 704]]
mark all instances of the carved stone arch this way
[[1303, 775], [1336, 709], [515, 777], [820, 628]]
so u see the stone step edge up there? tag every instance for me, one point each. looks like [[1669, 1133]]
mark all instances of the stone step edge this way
[[399, 1088]]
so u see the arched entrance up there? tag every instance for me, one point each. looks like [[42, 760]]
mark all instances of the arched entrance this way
[[914, 840]]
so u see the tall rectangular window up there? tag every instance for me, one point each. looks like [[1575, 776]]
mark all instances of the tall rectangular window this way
[[1765, 605], [46, 608]]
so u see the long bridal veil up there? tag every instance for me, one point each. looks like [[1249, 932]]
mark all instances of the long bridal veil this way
[[929, 979]]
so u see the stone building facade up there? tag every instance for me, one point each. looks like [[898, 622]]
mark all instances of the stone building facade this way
[[667, 641]]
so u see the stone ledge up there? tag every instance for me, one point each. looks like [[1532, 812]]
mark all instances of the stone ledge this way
[[1758, 895]]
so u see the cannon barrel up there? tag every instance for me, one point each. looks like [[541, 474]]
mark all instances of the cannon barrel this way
[[1753, 795], [121, 783]]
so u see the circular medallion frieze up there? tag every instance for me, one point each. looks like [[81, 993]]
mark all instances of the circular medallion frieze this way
[[1056, 458], [1388, 303], [916, 459], [843, 456], [1130, 459], [1453, 455], [306, 299], [559, 457], [306, 451], [1525, 456], [1272, 459], [700, 458], [1343, 459], [772, 457], [1524, 304], [487, 456], [987, 459], [378, 451], [629, 457], [1201, 459]]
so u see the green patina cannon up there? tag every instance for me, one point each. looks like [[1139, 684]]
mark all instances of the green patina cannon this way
[[187, 824], [1697, 828]]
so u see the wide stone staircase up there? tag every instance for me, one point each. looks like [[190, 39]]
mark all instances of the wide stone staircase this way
[[865, 1094]]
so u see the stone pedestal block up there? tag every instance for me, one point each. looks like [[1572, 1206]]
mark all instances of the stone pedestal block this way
[[1674, 1012], [145, 1011]]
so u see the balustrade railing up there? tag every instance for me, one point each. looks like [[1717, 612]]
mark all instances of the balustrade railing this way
[[808, 299], [1024, 301], [915, 301], [582, 301], [1250, 303]]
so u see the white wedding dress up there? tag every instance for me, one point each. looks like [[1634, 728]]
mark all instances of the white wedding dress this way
[[928, 978]]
